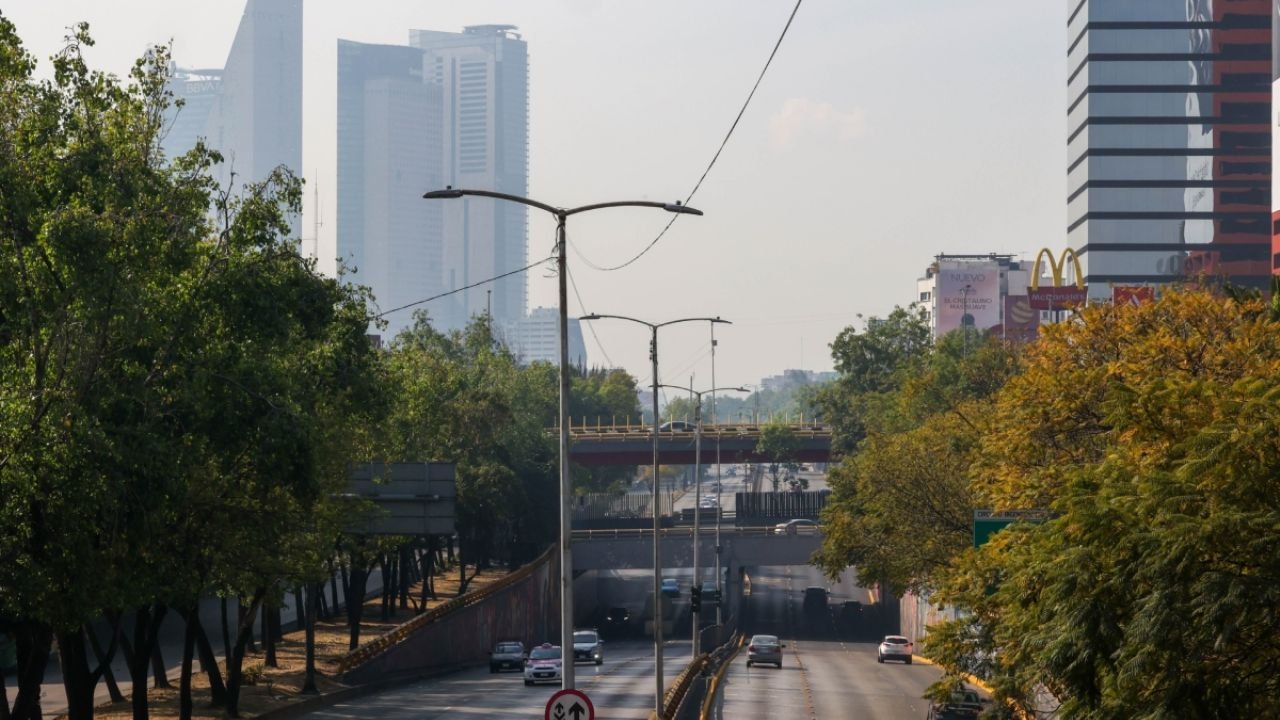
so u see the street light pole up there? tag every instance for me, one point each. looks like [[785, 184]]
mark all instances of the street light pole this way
[[715, 422], [566, 488], [697, 510], [657, 520]]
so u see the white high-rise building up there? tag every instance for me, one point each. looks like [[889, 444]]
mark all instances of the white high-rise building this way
[[483, 76], [536, 338], [251, 110], [388, 155]]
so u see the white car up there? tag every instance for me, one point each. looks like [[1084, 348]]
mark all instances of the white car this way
[[894, 647], [543, 665]]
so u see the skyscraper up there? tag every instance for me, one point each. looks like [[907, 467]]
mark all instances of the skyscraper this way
[[251, 110], [1169, 144], [389, 153], [483, 76]]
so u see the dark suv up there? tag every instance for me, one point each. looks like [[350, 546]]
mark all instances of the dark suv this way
[[815, 600]]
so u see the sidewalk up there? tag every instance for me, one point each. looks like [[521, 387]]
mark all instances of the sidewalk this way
[[53, 698]]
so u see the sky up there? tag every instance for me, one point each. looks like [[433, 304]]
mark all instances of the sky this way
[[885, 132]]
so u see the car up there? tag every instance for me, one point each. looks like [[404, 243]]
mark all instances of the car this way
[[543, 665], [670, 587], [815, 600], [710, 593], [587, 645], [894, 647], [962, 705], [507, 655], [709, 504], [677, 426], [764, 649], [795, 527], [617, 622]]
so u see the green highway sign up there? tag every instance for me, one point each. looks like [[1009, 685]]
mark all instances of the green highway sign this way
[[989, 522]]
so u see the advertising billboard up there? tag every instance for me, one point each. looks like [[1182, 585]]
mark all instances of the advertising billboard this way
[[1021, 321], [1136, 295], [968, 293], [1275, 135]]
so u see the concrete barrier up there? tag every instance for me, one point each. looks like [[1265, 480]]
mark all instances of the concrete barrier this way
[[523, 606]]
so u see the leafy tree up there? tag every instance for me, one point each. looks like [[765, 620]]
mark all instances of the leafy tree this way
[[1149, 432], [778, 445]]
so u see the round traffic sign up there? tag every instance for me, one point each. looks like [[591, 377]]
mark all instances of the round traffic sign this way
[[570, 705]]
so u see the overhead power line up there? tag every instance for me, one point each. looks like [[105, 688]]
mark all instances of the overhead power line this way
[[719, 150], [495, 278], [590, 326]]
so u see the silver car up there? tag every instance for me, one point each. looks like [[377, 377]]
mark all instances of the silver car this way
[[764, 649]]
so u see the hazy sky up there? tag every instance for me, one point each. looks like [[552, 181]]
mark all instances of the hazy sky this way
[[887, 131]]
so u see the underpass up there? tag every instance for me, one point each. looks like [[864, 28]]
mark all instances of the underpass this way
[[829, 671]]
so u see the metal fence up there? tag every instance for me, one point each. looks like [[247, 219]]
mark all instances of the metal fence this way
[[757, 507]]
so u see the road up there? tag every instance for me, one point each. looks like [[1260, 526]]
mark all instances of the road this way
[[822, 676], [621, 689]]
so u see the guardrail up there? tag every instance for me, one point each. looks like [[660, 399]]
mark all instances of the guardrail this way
[[684, 699], [720, 431], [681, 531], [382, 643]]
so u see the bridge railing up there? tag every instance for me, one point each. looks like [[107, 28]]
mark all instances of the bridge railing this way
[[613, 426], [677, 532]]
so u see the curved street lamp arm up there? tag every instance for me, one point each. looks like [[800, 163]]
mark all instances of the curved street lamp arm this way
[[700, 393], [452, 192], [694, 319], [669, 207], [598, 316]]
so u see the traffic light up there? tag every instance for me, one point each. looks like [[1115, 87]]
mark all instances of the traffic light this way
[[695, 598]]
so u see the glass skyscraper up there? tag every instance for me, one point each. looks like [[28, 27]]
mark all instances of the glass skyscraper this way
[[1169, 140], [250, 110]]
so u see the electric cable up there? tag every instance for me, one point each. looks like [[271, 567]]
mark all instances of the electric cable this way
[[719, 150]]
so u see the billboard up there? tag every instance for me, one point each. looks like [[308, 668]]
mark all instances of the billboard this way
[[967, 293], [1132, 295], [1021, 321], [1275, 135]]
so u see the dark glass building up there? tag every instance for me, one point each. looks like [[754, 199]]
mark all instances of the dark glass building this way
[[1169, 140]]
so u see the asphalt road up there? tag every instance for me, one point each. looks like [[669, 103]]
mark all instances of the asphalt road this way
[[822, 676], [621, 689]]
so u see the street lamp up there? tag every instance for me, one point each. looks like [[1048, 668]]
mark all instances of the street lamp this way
[[566, 491], [657, 527], [697, 493]]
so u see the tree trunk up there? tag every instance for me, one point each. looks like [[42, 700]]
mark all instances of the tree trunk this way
[[244, 629], [355, 601], [104, 659], [315, 595], [188, 645], [269, 637], [333, 584], [34, 642], [388, 583], [76, 680], [253, 620], [208, 661], [158, 669], [4, 698], [226, 632], [406, 576], [145, 625]]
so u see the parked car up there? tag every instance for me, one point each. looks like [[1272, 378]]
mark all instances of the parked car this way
[[677, 426], [543, 665], [587, 645], [764, 649], [815, 600], [507, 655], [670, 587], [962, 705], [894, 647], [795, 527]]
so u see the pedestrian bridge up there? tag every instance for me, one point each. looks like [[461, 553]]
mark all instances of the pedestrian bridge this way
[[633, 549], [613, 444]]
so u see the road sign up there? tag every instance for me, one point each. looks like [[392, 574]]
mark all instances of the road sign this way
[[987, 523], [570, 705], [408, 498]]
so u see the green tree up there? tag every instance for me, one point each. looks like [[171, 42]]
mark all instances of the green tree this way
[[1149, 433], [778, 445]]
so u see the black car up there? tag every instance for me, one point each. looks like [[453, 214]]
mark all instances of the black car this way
[[962, 705], [815, 600], [507, 655]]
